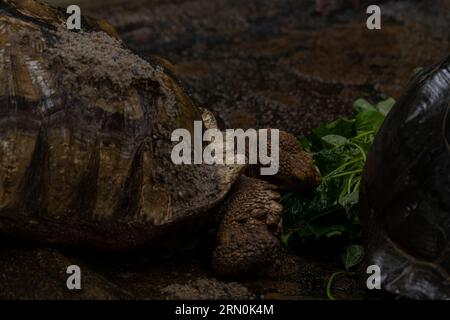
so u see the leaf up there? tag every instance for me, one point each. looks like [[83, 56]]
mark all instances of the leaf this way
[[323, 200], [305, 234], [329, 159], [361, 105], [285, 239], [352, 255], [339, 150], [385, 106], [328, 231], [334, 140], [342, 127], [349, 200], [305, 143], [368, 121], [296, 207]]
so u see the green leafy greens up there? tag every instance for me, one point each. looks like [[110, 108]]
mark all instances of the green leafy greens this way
[[339, 150]]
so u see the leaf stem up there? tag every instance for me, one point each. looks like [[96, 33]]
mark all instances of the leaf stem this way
[[349, 185], [360, 150], [342, 167], [330, 282], [345, 174], [356, 188], [363, 134]]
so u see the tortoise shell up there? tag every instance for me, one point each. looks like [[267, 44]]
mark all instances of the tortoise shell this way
[[85, 137], [405, 195]]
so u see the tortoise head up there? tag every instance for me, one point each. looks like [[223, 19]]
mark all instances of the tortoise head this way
[[296, 171]]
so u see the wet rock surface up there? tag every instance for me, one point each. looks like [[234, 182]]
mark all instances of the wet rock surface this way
[[255, 64], [281, 63], [206, 288], [29, 272]]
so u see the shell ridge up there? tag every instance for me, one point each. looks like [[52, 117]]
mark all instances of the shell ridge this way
[[129, 204], [32, 193]]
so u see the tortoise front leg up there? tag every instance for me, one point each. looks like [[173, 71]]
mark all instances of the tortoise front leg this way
[[249, 235]]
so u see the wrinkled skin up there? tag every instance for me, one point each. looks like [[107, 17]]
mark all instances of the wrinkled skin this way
[[405, 195]]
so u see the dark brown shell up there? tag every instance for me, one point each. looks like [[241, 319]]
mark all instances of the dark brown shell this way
[[405, 193], [85, 129]]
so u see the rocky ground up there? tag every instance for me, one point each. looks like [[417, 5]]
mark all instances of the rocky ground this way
[[34, 272], [280, 63], [255, 63]]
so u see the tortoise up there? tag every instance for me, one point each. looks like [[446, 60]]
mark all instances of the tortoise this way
[[85, 146], [405, 194]]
